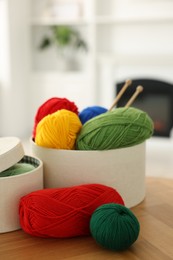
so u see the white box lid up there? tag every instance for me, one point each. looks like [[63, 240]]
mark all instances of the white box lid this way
[[11, 152]]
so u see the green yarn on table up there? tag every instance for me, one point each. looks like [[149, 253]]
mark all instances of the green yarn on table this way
[[114, 227], [122, 127], [17, 169]]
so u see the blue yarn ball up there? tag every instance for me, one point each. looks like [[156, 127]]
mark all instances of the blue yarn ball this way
[[90, 112]]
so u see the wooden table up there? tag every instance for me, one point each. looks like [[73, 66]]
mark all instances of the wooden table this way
[[155, 241]]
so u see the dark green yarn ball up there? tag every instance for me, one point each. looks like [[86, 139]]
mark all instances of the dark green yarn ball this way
[[114, 227], [122, 127]]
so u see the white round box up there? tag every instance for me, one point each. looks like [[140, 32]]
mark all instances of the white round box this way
[[12, 188], [122, 169]]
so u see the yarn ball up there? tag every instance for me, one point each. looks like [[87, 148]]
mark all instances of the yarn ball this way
[[16, 169], [58, 130], [90, 112], [63, 212], [122, 127], [50, 106], [114, 226]]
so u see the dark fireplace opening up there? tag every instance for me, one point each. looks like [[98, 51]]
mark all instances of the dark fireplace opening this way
[[156, 99]]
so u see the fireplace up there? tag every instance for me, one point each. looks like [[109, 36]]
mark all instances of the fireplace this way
[[156, 99]]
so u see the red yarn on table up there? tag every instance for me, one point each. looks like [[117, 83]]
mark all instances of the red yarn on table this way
[[64, 212], [50, 106]]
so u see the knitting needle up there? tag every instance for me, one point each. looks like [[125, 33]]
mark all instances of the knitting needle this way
[[126, 85], [139, 89]]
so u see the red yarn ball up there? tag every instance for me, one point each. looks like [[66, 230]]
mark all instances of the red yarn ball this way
[[50, 106], [64, 212]]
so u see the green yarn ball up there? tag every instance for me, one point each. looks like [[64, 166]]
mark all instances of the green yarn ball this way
[[114, 227], [16, 169], [122, 127]]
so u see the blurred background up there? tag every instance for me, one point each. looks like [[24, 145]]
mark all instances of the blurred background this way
[[84, 50]]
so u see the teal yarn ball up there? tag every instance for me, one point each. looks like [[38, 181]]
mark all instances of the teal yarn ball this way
[[114, 227], [122, 127]]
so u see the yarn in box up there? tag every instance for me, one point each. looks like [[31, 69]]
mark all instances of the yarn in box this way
[[114, 226], [58, 130], [50, 106], [18, 168], [122, 127], [64, 212], [90, 112]]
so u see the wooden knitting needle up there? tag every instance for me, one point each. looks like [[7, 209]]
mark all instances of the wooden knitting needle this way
[[126, 85], [139, 89]]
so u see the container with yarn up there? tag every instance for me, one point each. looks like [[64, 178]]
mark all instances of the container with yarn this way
[[19, 175], [109, 149]]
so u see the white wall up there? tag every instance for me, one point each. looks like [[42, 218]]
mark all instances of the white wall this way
[[4, 63], [14, 74]]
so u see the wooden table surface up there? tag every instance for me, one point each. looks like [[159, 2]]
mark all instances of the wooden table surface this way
[[155, 241]]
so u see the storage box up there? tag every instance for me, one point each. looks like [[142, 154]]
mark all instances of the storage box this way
[[122, 169], [12, 188]]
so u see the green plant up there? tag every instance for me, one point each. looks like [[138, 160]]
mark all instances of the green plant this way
[[63, 36]]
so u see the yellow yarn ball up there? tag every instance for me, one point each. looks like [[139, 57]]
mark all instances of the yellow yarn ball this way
[[58, 130]]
